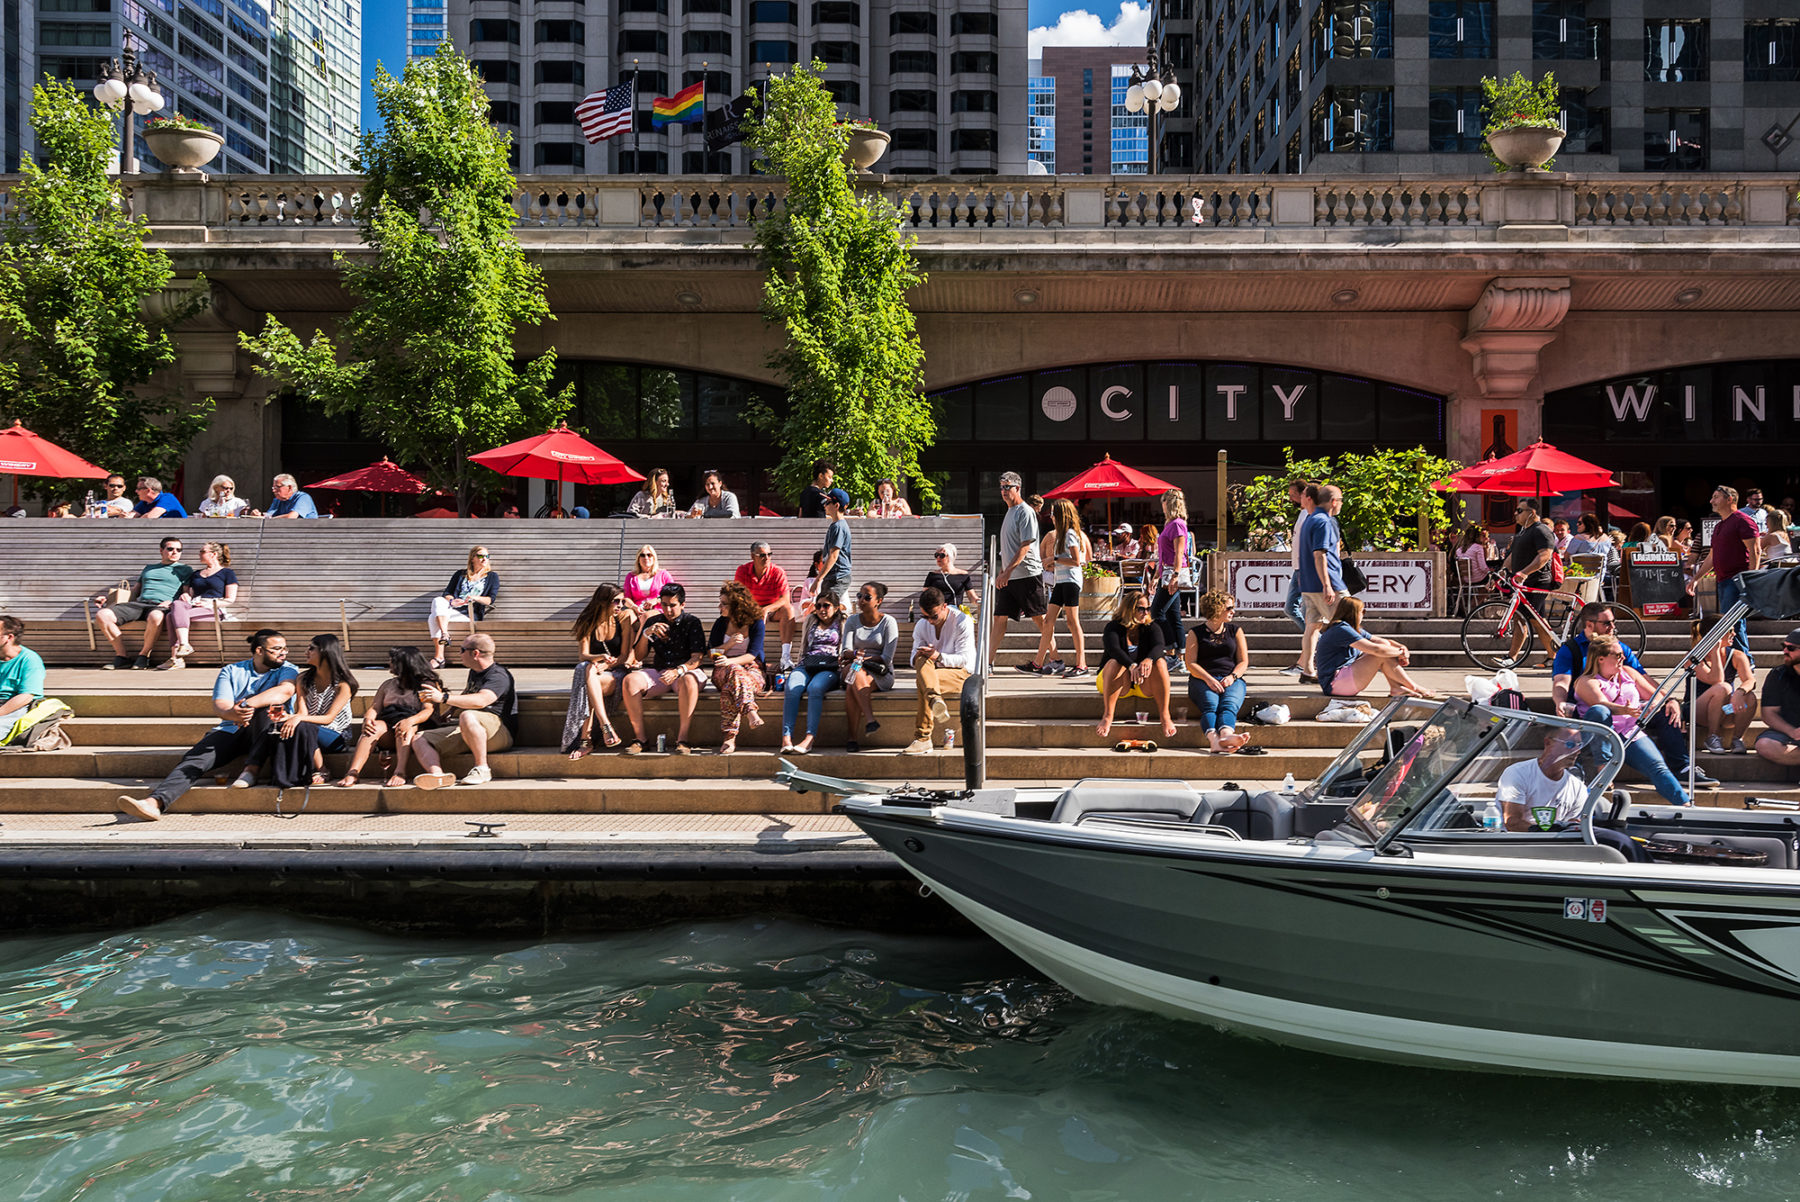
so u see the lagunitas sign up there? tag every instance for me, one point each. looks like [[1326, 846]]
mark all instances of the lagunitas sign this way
[[1398, 583]]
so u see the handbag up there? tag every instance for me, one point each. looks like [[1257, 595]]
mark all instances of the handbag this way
[[119, 594], [820, 661], [1354, 580]]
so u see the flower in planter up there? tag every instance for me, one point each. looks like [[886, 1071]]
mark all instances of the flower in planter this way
[[858, 123], [1091, 570], [1518, 103], [177, 122]]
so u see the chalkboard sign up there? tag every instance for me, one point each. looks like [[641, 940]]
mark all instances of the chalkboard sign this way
[[1657, 583]]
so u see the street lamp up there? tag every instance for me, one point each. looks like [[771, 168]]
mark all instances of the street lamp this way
[[1153, 89], [127, 85]]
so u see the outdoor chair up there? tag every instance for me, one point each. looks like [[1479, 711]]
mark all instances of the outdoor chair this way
[[1463, 600]]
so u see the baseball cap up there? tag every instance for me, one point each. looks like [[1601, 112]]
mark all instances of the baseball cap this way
[[1122, 528], [1010, 480], [839, 497], [1792, 638]]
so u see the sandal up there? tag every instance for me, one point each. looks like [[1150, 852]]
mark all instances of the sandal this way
[[1252, 749], [608, 736], [635, 747], [728, 746], [318, 778], [582, 750]]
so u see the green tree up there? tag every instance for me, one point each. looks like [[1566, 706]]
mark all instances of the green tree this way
[[427, 360], [1384, 494], [77, 352], [839, 268]]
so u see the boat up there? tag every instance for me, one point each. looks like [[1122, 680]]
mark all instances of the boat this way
[[1393, 909]]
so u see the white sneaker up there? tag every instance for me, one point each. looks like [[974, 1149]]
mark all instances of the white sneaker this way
[[939, 711], [139, 807], [1290, 670], [917, 747], [480, 774], [1714, 745], [245, 779]]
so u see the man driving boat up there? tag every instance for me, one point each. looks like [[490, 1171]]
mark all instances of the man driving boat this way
[[1549, 781]]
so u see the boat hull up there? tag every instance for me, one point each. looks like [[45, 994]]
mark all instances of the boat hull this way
[[1479, 965]]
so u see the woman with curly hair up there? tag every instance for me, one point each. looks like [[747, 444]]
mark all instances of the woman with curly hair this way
[[603, 639], [734, 651], [1218, 659]]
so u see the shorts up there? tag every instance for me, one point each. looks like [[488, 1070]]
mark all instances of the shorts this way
[[659, 686], [449, 739], [1020, 598], [1777, 737], [1067, 594], [1316, 609], [126, 612]]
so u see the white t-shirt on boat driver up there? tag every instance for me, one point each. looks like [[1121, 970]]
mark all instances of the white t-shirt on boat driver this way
[[1524, 784]]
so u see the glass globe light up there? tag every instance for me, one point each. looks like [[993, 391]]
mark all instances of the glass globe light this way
[[155, 101], [1134, 98], [110, 92], [1171, 97], [140, 98], [1152, 90]]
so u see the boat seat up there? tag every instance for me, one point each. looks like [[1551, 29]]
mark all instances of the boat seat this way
[[1172, 799], [1779, 851], [1267, 815], [1524, 849]]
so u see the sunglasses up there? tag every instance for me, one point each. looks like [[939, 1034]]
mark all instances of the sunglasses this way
[[1789, 647], [172, 550], [467, 649], [618, 603], [939, 555], [1143, 609], [865, 596]]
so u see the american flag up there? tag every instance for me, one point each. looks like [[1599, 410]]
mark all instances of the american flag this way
[[608, 112]]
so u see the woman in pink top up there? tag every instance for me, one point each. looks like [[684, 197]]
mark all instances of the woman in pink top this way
[[1609, 692], [1172, 571], [644, 585]]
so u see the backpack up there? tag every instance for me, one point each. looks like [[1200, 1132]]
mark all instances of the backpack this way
[[40, 728]]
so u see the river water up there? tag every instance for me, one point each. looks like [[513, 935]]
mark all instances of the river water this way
[[240, 1055]]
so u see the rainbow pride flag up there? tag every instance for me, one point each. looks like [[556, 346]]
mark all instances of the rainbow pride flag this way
[[689, 104]]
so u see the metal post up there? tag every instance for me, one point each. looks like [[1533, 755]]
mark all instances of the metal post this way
[[1693, 728]]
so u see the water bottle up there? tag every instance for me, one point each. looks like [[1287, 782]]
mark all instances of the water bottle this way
[[1490, 816], [1288, 784], [950, 739], [89, 512], [1726, 708]]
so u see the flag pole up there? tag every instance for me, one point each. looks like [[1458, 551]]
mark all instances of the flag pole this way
[[637, 150]]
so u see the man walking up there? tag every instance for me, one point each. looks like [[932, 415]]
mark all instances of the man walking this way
[[1019, 588], [834, 569], [1321, 570], [1736, 548], [486, 713], [942, 657], [812, 497], [242, 696], [1295, 606]]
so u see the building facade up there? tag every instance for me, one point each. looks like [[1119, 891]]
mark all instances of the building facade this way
[[282, 84], [1089, 131], [1394, 85], [18, 41], [947, 80]]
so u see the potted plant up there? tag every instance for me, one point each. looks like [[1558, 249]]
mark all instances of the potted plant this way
[[185, 144], [867, 143], [1524, 121], [1099, 589]]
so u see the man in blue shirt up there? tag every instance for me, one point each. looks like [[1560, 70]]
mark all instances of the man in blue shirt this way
[[1596, 618], [242, 697], [834, 569], [153, 502], [1321, 570], [289, 501], [21, 679]]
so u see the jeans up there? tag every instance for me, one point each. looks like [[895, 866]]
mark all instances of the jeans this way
[[1644, 755], [1730, 593], [217, 747], [814, 686], [1166, 610], [1295, 605], [1217, 710]]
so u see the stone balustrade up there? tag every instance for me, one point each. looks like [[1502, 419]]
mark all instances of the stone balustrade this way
[[1499, 208]]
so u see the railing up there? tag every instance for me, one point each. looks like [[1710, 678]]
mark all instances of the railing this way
[[1189, 206]]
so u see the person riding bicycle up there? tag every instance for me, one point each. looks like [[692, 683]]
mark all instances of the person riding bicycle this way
[[1594, 621], [1529, 563]]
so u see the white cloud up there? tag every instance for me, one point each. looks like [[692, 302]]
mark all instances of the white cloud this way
[[1078, 27]]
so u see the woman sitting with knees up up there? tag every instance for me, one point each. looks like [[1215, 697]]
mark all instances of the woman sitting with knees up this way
[[870, 643], [734, 652], [1134, 661], [1729, 680], [1349, 658], [1218, 659], [603, 636], [821, 649], [395, 716], [471, 592], [210, 590], [1610, 692]]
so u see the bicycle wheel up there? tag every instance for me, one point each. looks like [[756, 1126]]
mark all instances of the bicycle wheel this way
[[1628, 628], [1487, 636]]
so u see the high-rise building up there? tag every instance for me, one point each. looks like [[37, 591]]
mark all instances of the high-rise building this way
[[425, 27], [1083, 89], [1040, 127], [18, 38], [947, 80], [1395, 85], [282, 84]]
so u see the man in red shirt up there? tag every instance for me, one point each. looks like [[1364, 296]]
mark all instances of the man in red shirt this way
[[768, 586], [1736, 548]]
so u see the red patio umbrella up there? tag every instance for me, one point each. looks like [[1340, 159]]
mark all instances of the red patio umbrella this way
[[23, 453], [439, 512], [1109, 478], [1538, 470], [560, 455], [383, 475]]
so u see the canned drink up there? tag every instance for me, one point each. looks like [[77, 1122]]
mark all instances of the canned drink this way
[[950, 740], [662, 742]]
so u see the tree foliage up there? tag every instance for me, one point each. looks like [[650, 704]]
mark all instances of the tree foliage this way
[[1384, 494], [77, 351], [839, 268], [426, 361]]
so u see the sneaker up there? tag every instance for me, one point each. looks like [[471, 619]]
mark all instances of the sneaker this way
[[480, 774], [171, 664], [245, 779], [852, 746], [139, 807], [1054, 667], [1703, 781], [1177, 668], [141, 662], [1290, 670], [118, 662], [1031, 668], [1308, 678], [917, 747], [433, 780], [1713, 745], [938, 710], [1738, 748]]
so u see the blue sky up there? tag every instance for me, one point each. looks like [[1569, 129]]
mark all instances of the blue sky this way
[[1053, 23]]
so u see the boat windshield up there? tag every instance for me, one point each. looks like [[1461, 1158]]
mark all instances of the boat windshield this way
[[1470, 768]]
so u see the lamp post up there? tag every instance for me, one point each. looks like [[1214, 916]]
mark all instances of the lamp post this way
[[1154, 90], [125, 84]]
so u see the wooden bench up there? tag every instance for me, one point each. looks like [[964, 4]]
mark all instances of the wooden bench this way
[[373, 579]]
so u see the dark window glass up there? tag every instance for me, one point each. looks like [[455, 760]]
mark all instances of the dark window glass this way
[[498, 70], [974, 102], [720, 405], [575, 73], [774, 52], [706, 41], [915, 139], [1231, 403], [643, 41], [1461, 28], [555, 112], [974, 139], [1772, 51], [905, 100], [899, 23], [1353, 120], [1588, 127], [667, 402], [955, 414], [836, 12], [775, 12], [1174, 401], [559, 154], [1675, 140], [704, 162], [1352, 29], [1455, 120], [644, 6], [1347, 411], [718, 83], [503, 112], [1001, 409], [1410, 418], [838, 52], [1290, 405], [976, 23], [1561, 30], [921, 62], [489, 29], [974, 62], [606, 399], [1675, 51], [647, 162], [706, 6], [1057, 400], [1117, 404], [844, 91], [204, 29]]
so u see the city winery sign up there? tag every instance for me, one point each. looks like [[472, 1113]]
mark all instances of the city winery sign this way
[[1398, 582], [1731, 402], [1220, 402]]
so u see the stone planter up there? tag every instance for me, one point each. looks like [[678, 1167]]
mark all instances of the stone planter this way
[[866, 145], [1526, 146], [184, 150], [1099, 594]]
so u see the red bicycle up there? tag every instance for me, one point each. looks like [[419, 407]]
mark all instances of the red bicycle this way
[[1499, 634]]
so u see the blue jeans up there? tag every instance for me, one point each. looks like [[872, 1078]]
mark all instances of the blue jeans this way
[[1644, 756], [1730, 593], [814, 686], [1295, 605], [1217, 710], [1166, 609]]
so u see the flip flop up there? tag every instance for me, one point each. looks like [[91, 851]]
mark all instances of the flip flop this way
[[1252, 749]]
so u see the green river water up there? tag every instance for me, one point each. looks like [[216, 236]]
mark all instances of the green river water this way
[[239, 1055]]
